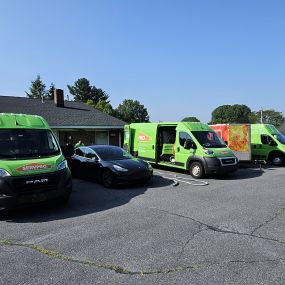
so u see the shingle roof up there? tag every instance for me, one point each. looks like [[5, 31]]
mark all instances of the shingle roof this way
[[72, 114]]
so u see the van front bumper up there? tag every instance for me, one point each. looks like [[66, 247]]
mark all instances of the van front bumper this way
[[21, 191], [216, 166]]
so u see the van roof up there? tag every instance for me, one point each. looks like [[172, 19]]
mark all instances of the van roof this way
[[20, 121]]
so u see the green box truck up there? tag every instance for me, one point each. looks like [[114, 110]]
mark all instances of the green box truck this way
[[185, 145], [256, 142], [32, 166]]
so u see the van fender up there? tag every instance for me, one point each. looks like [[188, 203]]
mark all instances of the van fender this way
[[194, 158]]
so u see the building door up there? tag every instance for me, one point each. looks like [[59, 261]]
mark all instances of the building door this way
[[101, 137]]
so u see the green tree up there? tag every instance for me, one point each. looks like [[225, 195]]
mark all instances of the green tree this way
[[103, 106], [83, 91], [131, 111], [50, 92], [231, 114], [268, 117], [37, 89], [190, 119]]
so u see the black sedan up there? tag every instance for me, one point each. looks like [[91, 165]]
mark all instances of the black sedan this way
[[108, 164]]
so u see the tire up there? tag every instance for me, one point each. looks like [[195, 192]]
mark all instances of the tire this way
[[196, 170], [276, 159], [108, 178], [64, 199]]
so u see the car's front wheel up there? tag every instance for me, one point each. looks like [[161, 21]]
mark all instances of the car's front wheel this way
[[108, 178]]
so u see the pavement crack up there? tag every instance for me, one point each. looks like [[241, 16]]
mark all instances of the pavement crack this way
[[121, 270], [276, 215], [224, 231]]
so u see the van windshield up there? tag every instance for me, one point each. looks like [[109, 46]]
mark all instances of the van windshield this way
[[209, 139], [27, 143], [280, 137]]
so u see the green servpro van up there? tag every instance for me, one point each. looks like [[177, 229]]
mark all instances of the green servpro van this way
[[267, 143], [185, 145], [32, 166]]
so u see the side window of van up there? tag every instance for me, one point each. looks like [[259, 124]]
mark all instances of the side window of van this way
[[264, 139], [267, 140], [184, 138]]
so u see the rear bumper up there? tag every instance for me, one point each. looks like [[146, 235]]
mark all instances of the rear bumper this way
[[214, 166], [16, 192]]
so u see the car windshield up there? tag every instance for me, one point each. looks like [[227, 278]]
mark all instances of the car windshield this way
[[209, 139], [280, 137], [27, 143], [112, 153]]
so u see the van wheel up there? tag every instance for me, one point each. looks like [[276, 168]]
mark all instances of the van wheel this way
[[276, 159], [196, 170], [108, 178]]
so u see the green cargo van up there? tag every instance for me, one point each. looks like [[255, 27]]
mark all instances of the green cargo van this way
[[267, 143], [190, 146], [32, 166]]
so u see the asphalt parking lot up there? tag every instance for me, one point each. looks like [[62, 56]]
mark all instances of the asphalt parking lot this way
[[229, 232]]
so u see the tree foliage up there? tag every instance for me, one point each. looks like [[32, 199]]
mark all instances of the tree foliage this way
[[131, 111], [37, 89], [83, 91], [231, 114], [50, 92], [268, 117], [103, 106], [190, 119]]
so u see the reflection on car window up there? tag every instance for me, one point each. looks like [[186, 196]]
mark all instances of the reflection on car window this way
[[209, 139], [79, 151], [280, 137], [112, 153]]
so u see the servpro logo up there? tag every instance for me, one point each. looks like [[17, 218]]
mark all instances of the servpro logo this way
[[34, 166], [144, 138]]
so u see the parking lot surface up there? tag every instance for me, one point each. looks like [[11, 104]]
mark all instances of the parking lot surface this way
[[231, 231]]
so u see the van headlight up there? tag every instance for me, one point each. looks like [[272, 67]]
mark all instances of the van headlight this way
[[149, 166], [62, 165], [4, 173], [119, 168]]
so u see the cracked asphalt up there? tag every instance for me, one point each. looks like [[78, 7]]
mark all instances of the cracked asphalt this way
[[229, 232]]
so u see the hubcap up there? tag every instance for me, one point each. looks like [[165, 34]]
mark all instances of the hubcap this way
[[196, 170], [277, 161]]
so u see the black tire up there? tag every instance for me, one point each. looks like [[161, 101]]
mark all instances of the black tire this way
[[108, 178], [196, 170], [276, 159]]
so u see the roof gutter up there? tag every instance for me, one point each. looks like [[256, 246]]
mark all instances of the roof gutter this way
[[86, 127]]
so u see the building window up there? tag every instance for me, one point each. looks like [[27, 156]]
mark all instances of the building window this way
[[101, 137]]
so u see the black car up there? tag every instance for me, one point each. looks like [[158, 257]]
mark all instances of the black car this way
[[108, 164]]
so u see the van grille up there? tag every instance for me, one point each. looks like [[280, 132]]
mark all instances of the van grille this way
[[35, 184], [228, 161]]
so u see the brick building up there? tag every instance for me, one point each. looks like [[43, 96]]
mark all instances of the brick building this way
[[70, 121]]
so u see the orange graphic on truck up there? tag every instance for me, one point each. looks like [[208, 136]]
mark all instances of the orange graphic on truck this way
[[144, 138], [33, 167], [238, 138]]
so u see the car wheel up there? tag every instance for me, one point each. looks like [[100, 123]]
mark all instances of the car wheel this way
[[276, 159], [196, 170], [108, 178]]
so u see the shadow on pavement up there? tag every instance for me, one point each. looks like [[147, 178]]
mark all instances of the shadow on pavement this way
[[86, 198]]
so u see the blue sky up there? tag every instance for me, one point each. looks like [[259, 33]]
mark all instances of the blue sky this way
[[178, 58]]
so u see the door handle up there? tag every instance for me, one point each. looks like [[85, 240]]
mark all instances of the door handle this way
[[152, 146], [178, 149]]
